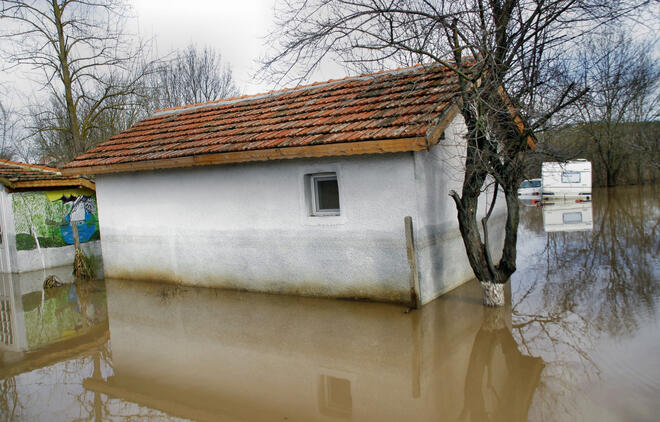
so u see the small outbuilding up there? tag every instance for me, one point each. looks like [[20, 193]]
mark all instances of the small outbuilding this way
[[301, 191], [36, 207]]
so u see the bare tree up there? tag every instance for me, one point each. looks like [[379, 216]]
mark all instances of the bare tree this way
[[193, 76], [85, 58], [8, 132], [503, 52], [624, 79]]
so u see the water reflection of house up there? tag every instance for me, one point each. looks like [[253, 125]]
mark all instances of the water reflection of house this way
[[207, 355], [567, 216], [36, 204], [40, 327], [302, 191]]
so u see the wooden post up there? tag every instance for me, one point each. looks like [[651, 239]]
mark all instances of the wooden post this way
[[76, 240], [412, 261]]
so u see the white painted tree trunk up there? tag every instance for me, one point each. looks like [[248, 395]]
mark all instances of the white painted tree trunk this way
[[493, 293]]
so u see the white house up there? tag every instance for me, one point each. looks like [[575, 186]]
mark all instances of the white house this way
[[36, 204], [301, 191]]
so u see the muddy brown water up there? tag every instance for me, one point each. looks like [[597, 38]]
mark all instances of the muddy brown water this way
[[580, 340]]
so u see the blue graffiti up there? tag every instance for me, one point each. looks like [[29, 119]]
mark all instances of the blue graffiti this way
[[85, 230]]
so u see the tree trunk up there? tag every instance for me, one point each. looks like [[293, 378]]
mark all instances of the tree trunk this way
[[493, 293], [492, 277], [71, 107]]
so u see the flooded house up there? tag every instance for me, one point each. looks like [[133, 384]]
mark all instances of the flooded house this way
[[37, 204], [335, 189]]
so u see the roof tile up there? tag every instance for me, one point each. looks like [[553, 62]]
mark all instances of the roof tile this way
[[381, 106]]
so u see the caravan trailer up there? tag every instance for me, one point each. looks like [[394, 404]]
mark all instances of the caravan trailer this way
[[571, 179]]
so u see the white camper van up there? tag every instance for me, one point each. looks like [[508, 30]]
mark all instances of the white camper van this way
[[571, 179]]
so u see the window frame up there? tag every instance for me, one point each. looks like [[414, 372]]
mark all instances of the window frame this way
[[315, 211], [566, 174]]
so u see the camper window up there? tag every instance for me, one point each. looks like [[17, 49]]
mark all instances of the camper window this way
[[572, 217], [570, 177]]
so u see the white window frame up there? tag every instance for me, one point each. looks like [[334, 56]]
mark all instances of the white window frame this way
[[569, 174], [314, 195]]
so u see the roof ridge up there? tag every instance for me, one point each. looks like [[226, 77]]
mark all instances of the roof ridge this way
[[27, 166], [232, 100]]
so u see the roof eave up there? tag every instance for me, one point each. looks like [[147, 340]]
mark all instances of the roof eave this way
[[237, 157], [73, 183]]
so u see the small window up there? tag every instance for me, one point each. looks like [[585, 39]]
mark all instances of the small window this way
[[324, 194], [570, 177], [535, 183], [572, 217]]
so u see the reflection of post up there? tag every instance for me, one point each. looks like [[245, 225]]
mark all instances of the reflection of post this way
[[98, 404], [416, 355]]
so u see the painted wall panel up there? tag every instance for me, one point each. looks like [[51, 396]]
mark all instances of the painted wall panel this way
[[39, 212]]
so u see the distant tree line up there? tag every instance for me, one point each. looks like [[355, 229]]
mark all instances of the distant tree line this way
[[634, 158], [616, 125]]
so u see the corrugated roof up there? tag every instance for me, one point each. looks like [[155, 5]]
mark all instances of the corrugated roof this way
[[23, 176], [377, 113]]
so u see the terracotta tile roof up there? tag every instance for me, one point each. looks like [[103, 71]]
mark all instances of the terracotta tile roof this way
[[22, 176], [383, 112]]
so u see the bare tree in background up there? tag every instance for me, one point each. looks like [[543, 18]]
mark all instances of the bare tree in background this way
[[85, 58], [193, 76], [503, 52], [8, 132], [622, 102]]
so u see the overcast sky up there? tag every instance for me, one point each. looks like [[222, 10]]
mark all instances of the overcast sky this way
[[236, 28]]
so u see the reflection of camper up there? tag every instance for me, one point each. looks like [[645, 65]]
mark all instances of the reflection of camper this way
[[567, 216], [571, 179]]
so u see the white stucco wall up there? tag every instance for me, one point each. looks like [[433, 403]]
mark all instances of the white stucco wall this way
[[8, 241], [443, 263], [52, 257], [247, 227]]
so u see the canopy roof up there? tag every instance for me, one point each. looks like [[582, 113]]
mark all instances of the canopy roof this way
[[21, 176]]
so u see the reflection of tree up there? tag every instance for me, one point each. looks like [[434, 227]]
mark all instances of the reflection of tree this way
[[500, 380], [607, 276], [589, 284], [9, 403], [529, 222]]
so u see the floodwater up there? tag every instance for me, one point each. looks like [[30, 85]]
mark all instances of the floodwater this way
[[580, 340]]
